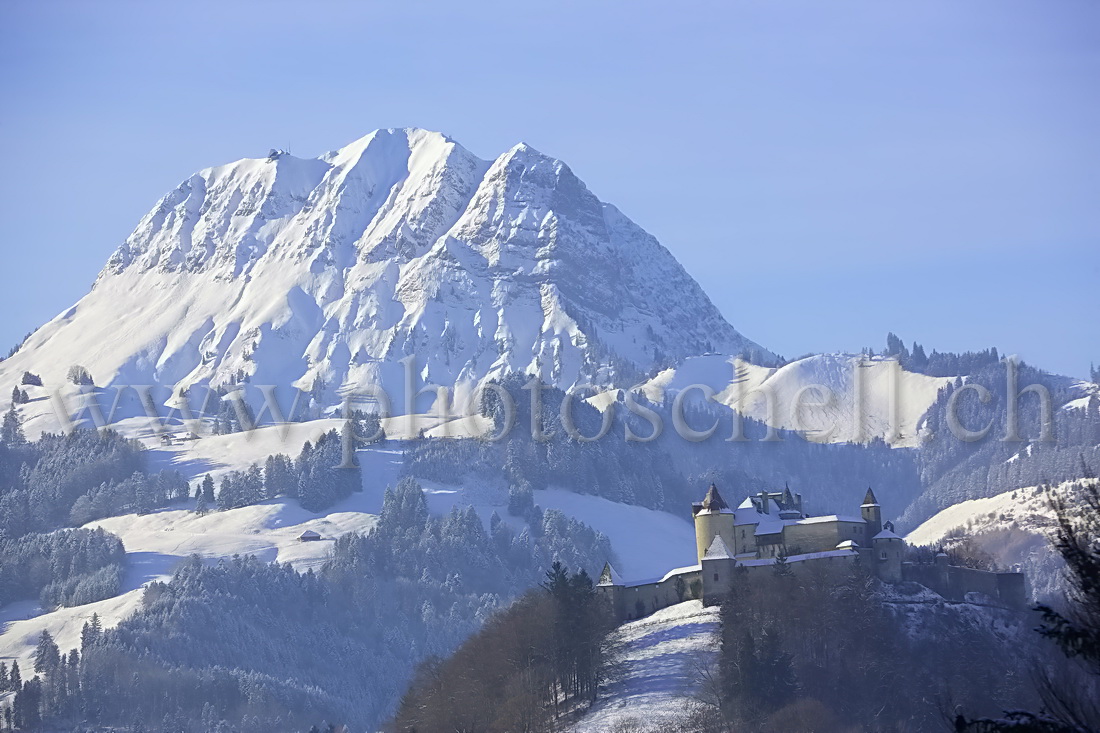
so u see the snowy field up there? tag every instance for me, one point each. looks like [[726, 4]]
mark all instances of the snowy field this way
[[835, 398], [661, 658]]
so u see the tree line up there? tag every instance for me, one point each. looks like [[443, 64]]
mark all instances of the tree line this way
[[65, 568], [323, 473], [69, 480], [665, 473], [529, 665]]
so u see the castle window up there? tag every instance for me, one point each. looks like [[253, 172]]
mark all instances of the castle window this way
[[884, 556], [716, 577]]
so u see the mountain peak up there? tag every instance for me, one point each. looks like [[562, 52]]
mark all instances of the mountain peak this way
[[324, 273]]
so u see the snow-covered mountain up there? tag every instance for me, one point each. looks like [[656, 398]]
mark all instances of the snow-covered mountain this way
[[325, 273]]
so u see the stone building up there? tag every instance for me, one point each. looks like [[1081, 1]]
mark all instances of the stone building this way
[[737, 544]]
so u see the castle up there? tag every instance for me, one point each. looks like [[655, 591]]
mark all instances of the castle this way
[[736, 544]]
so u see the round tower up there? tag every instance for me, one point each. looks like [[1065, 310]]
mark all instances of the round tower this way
[[889, 551], [713, 518]]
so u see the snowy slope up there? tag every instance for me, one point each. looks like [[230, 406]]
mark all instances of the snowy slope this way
[[157, 542], [1014, 528], [325, 273], [22, 623], [647, 542], [660, 661], [833, 397], [1027, 508]]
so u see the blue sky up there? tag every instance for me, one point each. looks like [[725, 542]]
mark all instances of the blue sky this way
[[827, 171]]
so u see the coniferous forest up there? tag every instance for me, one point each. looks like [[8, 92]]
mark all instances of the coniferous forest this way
[[250, 646]]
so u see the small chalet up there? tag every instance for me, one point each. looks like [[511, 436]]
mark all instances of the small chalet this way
[[309, 536]]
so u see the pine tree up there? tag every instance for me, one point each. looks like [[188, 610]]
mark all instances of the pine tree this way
[[208, 490], [15, 678], [90, 634], [774, 680], [252, 485], [11, 430], [276, 477], [46, 655], [27, 705], [143, 497], [226, 500]]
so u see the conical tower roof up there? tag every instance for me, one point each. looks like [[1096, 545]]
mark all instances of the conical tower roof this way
[[869, 499], [718, 550], [609, 576], [788, 498], [713, 502]]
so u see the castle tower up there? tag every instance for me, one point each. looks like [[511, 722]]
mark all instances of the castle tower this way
[[713, 518], [889, 551], [871, 513], [717, 569]]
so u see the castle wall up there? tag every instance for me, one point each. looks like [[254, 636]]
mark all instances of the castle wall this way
[[954, 582], [750, 571], [744, 539], [822, 536], [635, 601], [968, 580], [1013, 589]]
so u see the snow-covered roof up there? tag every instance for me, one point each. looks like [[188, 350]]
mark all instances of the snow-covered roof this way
[[847, 545], [718, 550], [799, 558], [681, 571], [819, 555], [833, 518], [886, 535], [772, 525], [744, 515], [747, 513], [650, 581]]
